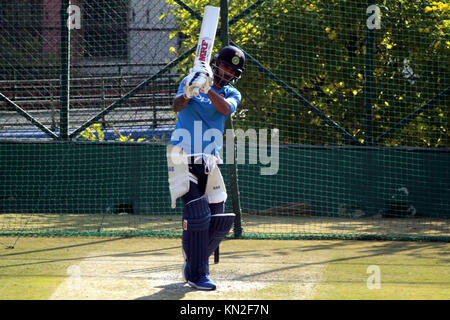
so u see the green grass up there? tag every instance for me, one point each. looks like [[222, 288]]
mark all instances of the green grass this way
[[36, 266], [408, 270], [149, 268]]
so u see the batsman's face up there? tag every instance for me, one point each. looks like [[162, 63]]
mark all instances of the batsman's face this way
[[224, 74]]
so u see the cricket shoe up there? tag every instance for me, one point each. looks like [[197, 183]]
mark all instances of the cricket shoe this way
[[204, 283]]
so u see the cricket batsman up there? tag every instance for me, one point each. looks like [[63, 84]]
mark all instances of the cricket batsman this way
[[193, 159]]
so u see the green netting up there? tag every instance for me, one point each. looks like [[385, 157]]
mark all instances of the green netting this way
[[343, 124]]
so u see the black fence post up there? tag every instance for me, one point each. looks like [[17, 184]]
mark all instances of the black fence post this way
[[368, 72], [65, 70], [232, 167]]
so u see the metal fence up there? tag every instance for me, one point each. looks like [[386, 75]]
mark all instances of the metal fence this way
[[358, 92]]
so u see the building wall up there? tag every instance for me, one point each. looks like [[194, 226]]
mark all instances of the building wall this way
[[148, 38]]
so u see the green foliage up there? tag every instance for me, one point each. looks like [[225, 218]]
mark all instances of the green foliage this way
[[319, 49], [95, 133]]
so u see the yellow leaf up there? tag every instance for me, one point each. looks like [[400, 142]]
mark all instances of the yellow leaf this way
[[311, 7]]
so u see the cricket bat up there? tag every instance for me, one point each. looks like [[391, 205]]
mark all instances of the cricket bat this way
[[207, 35], [204, 49]]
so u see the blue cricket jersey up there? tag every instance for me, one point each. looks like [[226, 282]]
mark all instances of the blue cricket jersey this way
[[199, 127]]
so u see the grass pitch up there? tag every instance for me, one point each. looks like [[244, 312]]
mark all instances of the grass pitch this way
[[254, 226], [93, 268]]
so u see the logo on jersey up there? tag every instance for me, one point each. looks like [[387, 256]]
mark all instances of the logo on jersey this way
[[203, 99]]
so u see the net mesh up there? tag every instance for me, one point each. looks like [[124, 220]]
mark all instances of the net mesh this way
[[343, 122]]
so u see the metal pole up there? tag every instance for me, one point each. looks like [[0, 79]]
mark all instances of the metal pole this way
[[27, 116], [232, 167], [369, 83], [65, 71]]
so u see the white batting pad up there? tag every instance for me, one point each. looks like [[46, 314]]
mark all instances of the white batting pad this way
[[178, 170], [215, 187]]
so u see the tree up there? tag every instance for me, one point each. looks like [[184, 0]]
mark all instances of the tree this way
[[319, 49]]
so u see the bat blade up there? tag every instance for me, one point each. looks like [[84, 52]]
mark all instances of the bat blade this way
[[207, 34]]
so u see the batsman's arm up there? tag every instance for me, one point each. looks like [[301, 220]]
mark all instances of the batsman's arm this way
[[179, 103], [219, 102], [223, 106]]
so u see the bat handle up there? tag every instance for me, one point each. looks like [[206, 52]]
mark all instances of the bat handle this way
[[216, 256]]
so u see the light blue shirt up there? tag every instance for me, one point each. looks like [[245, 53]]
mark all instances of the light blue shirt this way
[[199, 127]]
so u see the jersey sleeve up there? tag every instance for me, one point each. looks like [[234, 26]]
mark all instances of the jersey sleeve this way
[[234, 98], [181, 87]]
